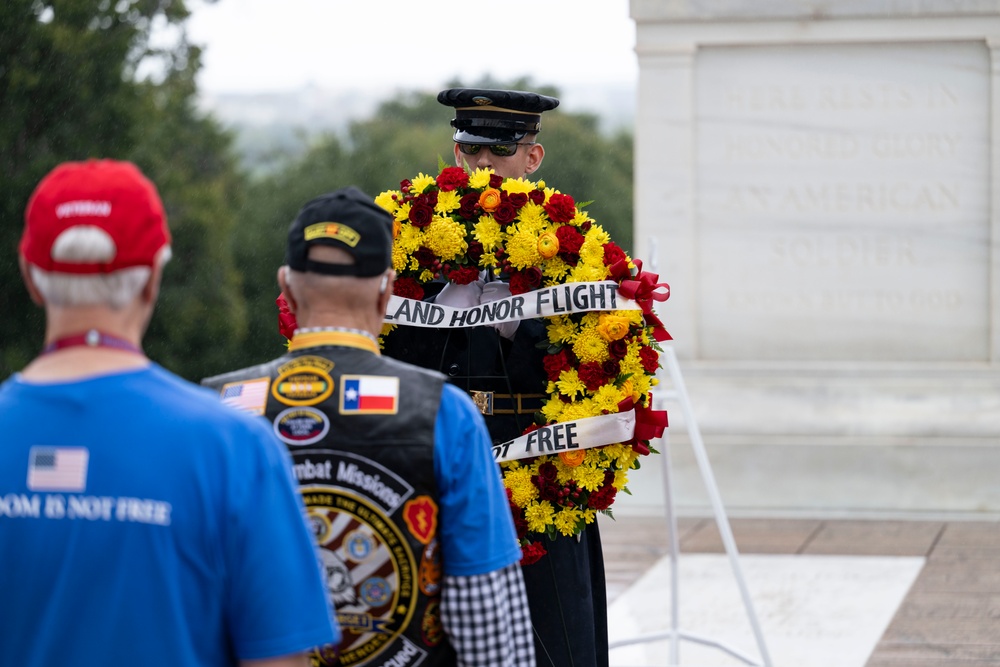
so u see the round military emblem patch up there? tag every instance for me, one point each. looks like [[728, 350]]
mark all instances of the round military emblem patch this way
[[370, 572], [301, 426]]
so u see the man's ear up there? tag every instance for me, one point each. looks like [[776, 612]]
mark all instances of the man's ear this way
[[33, 292], [283, 284], [385, 290], [535, 155]]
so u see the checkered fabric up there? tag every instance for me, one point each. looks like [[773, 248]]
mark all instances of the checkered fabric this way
[[487, 620]]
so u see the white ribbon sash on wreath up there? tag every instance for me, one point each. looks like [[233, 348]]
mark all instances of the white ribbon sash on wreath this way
[[546, 302], [569, 436]]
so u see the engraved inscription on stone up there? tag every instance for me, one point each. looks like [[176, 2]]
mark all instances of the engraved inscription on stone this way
[[842, 202]]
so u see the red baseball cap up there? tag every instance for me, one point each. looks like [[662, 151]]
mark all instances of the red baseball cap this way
[[113, 197]]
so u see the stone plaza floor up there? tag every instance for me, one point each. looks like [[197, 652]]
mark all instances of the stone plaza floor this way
[[827, 593]]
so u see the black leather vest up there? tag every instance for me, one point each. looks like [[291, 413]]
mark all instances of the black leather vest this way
[[360, 428]]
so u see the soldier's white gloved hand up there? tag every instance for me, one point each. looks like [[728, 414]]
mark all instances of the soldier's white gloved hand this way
[[460, 296], [492, 291]]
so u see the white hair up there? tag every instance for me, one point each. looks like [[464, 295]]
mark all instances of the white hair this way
[[88, 244]]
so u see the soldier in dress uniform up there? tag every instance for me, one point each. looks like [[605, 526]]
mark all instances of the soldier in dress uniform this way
[[501, 367]]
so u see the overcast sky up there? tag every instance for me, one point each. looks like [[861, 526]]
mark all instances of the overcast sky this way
[[264, 45]]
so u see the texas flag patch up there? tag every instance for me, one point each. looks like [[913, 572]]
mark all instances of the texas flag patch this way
[[369, 394]]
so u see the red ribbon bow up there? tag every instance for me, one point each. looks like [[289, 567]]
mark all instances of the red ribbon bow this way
[[642, 288], [649, 424]]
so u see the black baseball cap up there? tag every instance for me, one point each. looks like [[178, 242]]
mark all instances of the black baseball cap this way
[[347, 219], [484, 116]]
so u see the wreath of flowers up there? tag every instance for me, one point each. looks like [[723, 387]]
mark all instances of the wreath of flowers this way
[[456, 224]]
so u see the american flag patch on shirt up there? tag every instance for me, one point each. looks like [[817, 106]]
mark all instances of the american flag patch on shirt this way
[[369, 394], [57, 468], [249, 395]]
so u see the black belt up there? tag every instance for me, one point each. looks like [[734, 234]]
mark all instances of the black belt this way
[[491, 403]]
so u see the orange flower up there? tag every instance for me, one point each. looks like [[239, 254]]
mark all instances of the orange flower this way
[[612, 327], [574, 458], [548, 245], [397, 227], [490, 199]]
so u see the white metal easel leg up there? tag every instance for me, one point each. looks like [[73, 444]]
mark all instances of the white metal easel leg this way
[[679, 395]]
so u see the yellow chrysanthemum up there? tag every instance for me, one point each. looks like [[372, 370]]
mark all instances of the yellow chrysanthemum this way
[[387, 200], [553, 408], [589, 477], [512, 185], [561, 329], [420, 183], [589, 346], [522, 490], [410, 238], [480, 178], [538, 515], [446, 238], [448, 201], [403, 213], [570, 384], [532, 217], [580, 409], [400, 258], [566, 520], [554, 270], [621, 479], [522, 250], [487, 231], [607, 398]]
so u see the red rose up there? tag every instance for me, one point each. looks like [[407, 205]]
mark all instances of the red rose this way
[[475, 250], [468, 205], [611, 368], [618, 348], [421, 215], [496, 180], [532, 552], [561, 208], [505, 212], [408, 288], [613, 254], [548, 471], [452, 178], [287, 324], [592, 375], [537, 197], [424, 256], [649, 359], [518, 199], [464, 275], [534, 275]]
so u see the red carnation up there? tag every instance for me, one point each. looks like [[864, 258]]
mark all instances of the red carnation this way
[[603, 498], [496, 180], [532, 552], [452, 178], [570, 240], [649, 359], [408, 288], [505, 212], [613, 254], [421, 215], [537, 197], [525, 281], [287, 324], [560, 208], [557, 363], [592, 375], [463, 275]]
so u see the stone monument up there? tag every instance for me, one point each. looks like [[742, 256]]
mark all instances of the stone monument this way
[[817, 181]]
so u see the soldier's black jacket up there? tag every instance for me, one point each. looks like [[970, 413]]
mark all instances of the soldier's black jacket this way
[[360, 429]]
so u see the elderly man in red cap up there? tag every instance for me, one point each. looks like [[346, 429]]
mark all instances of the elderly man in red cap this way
[[141, 520]]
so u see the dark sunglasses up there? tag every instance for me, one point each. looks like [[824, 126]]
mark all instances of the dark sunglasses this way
[[500, 150]]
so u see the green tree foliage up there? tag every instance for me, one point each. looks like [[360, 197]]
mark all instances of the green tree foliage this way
[[407, 135], [68, 91]]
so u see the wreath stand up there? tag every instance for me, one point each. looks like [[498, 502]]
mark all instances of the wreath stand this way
[[678, 394]]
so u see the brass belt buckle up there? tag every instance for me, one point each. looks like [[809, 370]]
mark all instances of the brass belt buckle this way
[[483, 401]]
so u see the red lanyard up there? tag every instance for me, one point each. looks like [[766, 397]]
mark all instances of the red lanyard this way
[[92, 338]]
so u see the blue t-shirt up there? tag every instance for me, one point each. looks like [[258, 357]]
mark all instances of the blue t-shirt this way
[[142, 522], [476, 530]]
